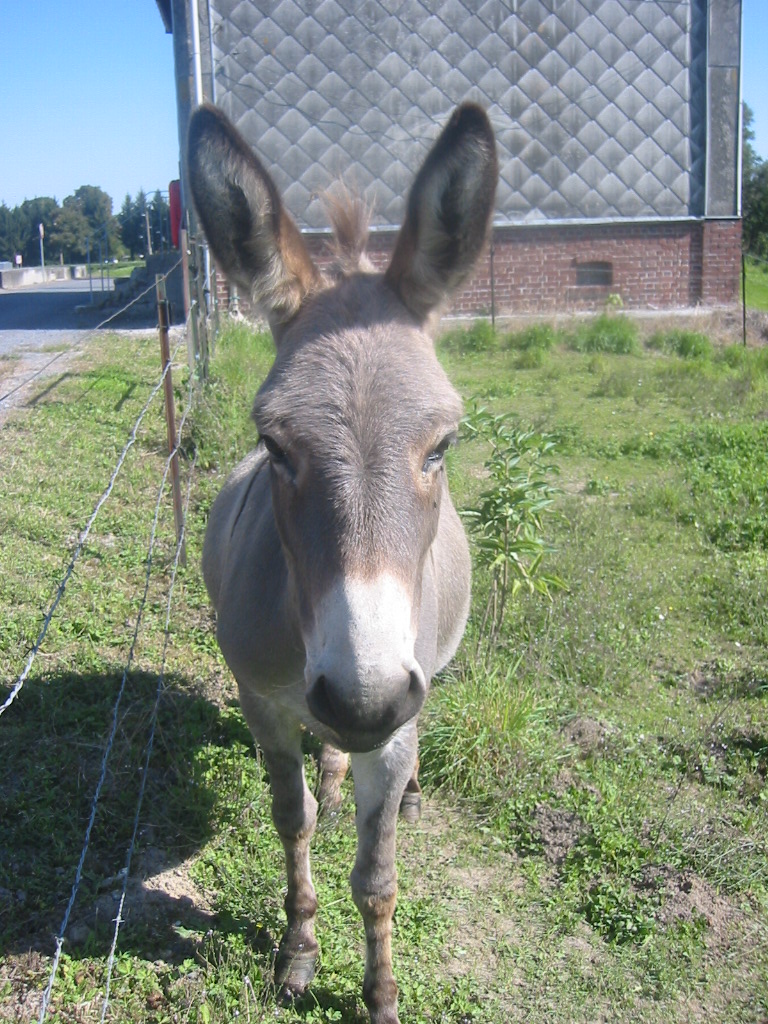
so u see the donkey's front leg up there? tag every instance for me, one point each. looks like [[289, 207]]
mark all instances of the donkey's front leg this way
[[294, 812], [380, 779]]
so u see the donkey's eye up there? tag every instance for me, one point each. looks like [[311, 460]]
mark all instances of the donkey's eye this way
[[435, 458], [276, 453]]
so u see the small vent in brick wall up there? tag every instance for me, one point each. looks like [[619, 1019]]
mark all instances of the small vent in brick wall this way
[[595, 272]]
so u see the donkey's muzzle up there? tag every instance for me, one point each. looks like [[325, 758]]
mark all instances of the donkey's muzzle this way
[[359, 724]]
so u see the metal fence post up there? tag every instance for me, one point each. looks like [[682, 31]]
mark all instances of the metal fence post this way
[[199, 310], [170, 412], [191, 333]]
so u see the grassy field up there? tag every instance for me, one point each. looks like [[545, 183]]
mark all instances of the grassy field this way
[[594, 845], [114, 270], [757, 284]]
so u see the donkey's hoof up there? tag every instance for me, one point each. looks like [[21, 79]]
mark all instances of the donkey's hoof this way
[[410, 806], [294, 973]]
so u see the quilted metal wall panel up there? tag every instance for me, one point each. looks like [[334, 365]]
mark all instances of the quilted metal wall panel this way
[[600, 106]]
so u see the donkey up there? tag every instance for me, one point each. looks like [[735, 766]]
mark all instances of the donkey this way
[[333, 556]]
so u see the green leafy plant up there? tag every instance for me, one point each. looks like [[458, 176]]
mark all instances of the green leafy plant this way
[[507, 522], [606, 333], [686, 344], [480, 336]]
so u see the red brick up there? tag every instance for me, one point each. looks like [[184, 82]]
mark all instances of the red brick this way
[[661, 264]]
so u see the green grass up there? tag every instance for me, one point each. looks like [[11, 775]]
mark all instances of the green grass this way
[[757, 284], [114, 270], [596, 811]]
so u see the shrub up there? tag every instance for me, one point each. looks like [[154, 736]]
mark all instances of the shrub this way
[[734, 356], [507, 522], [752, 361], [530, 359], [605, 333], [537, 337], [479, 337], [686, 344]]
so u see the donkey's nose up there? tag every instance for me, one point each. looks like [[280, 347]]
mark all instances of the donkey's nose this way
[[360, 722]]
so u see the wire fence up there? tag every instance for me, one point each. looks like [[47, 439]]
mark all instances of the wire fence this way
[[55, 603]]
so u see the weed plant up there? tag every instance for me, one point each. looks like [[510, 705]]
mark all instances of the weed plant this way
[[537, 337], [605, 333], [507, 520], [683, 343], [477, 338], [475, 728]]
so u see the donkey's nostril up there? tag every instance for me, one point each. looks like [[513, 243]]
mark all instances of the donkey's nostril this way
[[417, 690]]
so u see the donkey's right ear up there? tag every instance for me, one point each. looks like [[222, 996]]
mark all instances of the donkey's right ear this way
[[254, 240]]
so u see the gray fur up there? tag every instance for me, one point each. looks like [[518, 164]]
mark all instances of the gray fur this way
[[334, 558]]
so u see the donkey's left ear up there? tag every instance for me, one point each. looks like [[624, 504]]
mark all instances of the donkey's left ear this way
[[254, 240], [448, 214]]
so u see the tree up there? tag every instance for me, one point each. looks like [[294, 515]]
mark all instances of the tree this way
[[132, 218], [754, 186], [11, 232], [71, 235], [160, 222], [89, 219], [32, 213]]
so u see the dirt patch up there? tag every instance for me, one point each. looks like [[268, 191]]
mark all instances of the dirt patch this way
[[589, 735], [706, 680], [559, 831], [21, 980], [484, 891], [163, 910], [688, 898], [161, 901]]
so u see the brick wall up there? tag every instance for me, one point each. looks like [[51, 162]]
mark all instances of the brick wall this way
[[543, 269]]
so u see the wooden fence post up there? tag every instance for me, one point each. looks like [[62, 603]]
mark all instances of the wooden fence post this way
[[170, 412]]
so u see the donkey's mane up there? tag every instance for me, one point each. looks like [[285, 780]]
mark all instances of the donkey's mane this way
[[350, 217]]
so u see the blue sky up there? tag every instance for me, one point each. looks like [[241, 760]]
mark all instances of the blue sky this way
[[87, 96]]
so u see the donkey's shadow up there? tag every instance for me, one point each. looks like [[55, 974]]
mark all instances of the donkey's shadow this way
[[52, 745]]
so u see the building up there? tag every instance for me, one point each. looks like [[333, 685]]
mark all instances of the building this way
[[618, 124]]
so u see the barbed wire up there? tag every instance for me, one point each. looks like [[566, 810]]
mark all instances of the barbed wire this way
[[59, 592], [151, 739], [46, 998]]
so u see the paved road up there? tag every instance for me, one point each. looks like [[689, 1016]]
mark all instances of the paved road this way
[[53, 307]]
